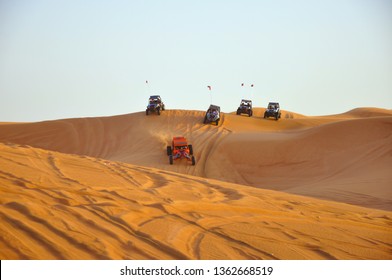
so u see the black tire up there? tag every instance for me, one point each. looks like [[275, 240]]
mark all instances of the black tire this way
[[205, 120], [171, 159], [147, 112], [169, 150], [250, 113], [190, 149], [163, 108], [238, 111], [217, 122], [265, 115], [193, 160], [158, 111], [276, 117]]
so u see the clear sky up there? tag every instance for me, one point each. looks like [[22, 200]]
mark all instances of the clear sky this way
[[80, 58]]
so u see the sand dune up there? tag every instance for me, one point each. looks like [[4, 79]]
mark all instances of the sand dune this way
[[61, 206], [345, 157], [102, 188]]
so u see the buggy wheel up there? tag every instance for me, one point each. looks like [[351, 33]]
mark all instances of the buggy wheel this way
[[169, 150], [190, 149], [171, 159], [163, 108], [276, 117], [217, 122], [205, 120], [193, 160], [158, 111], [250, 113], [147, 112], [238, 111]]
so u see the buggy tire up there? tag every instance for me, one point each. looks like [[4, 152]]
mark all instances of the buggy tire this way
[[190, 149], [250, 113], [158, 112], [193, 160], [147, 112], [169, 150], [265, 115], [205, 120], [276, 117], [171, 159], [217, 122], [238, 111]]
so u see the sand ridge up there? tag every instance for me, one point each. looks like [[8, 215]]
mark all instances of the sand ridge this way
[[102, 188], [345, 157], [61, 206]]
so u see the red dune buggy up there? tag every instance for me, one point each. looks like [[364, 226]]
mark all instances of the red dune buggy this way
[[180, 149]]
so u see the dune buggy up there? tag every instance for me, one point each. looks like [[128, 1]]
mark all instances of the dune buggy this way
[[212, 115], [180, 149], [273, 110], [245, 107], [155, 104]]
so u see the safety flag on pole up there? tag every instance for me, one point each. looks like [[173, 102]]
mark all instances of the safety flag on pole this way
[[209, 87]]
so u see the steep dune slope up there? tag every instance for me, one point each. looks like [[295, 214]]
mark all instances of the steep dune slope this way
[[61, 206], [344, 157], [346, 161]]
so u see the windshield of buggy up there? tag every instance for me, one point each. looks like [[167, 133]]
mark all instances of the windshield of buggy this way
[[273, 106], [154, 101]]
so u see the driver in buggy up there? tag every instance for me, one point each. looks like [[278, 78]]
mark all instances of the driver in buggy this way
[[212, 112]]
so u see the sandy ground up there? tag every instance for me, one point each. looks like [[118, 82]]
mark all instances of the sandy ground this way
[[102, 188]]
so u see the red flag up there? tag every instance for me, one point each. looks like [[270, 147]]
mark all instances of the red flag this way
[[251, 85], [209, 87], [242, 84]]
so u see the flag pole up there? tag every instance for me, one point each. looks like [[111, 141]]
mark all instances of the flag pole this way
[[148, 88], [209, 88], [251, 91]]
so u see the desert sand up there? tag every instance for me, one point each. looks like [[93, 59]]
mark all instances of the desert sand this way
[[102, 188]]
